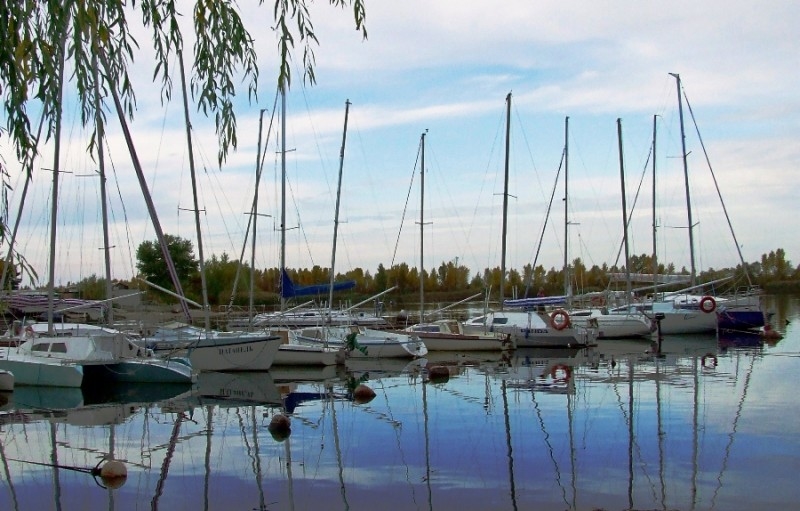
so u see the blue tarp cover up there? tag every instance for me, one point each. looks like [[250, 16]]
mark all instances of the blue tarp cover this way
[[289, 290]]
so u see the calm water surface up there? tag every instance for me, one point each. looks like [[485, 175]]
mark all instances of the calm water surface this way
[[713, 423]]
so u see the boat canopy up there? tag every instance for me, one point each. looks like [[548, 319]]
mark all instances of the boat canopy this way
[[527, 303], [289, 290]]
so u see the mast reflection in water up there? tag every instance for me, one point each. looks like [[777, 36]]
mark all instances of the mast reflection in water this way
[[709, 424]]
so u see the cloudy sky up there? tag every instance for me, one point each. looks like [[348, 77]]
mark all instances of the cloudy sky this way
[[445, 68]]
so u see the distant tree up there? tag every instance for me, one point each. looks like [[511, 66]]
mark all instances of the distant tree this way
[[92, 288], [152, 267]]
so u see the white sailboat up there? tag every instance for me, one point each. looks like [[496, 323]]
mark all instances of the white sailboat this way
[[446, 334], [527, 328], [212, 350], [358, 341]]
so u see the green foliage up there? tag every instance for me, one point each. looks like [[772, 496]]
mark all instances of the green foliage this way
[[153, 267], [92, 288], [38, 36]]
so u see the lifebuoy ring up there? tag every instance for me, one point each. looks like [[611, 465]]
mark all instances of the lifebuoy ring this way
[[709, 356], [563, 322], [565, 369], [29, 331], [708, 304]]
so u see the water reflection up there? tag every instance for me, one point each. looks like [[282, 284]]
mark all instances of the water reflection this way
[[707, 423]]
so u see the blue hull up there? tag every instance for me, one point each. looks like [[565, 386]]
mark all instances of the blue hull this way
[[740, 319]]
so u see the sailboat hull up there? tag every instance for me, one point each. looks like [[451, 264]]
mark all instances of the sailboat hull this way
[[234, 352], [38, 372]]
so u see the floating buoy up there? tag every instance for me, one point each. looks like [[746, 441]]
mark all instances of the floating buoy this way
[[709, 357], [769, 334], [113, 474], [279, 427], [438, 374], [363, 394]]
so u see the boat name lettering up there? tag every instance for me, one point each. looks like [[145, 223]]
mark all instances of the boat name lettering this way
[[237, 349]]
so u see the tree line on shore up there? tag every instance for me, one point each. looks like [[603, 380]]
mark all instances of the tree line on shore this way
[[447, 282]]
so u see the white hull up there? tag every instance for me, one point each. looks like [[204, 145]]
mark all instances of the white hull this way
[[530, 329], [234, 352], [29, 370], [372, 343], [613, 326], [449, 335], [307, 355]]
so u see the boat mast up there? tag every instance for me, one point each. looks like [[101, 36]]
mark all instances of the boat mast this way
[[54, 206], [204, 287], [421, 231], [655, 226], [336, 214], [251, 303], [283, 190], [686, 179], [98, 123], [567, 283], [505, 202], [624, 214]]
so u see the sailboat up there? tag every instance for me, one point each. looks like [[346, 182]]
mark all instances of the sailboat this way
[[689, 310], [67, 354], [358, 341], [446, 334], [214, 350], [609, 326], [525, 323]]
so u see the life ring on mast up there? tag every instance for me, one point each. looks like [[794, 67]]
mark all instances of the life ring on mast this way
[[561, 373], [29, 331], [708, 304], [559, 319]]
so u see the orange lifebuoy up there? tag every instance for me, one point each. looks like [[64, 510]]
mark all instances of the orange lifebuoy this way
[[29, 331], [565, 369], [708, 304], [563, 322]]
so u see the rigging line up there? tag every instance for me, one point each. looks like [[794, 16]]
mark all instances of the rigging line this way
[[544, 227], [498, 131], [732, 434], [549, 444], [628, 215], [716, 186], [405, 206], [124, 212]]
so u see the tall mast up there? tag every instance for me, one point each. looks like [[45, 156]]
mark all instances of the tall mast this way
[[505, 202], [624, 212], [336, 214], [54, 206], [421, 232], [204, 287], [655, 226], [686, 179], [254, 219], [148, 199], [98, 124], [283, 190], [566, 210]]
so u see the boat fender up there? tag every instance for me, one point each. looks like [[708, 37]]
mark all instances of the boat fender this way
[[708, 304], [709, 356], [561, 373], [563, 322]]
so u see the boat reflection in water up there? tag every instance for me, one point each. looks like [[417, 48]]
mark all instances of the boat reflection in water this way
[[616, 426]]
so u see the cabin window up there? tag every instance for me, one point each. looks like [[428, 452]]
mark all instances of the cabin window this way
[[499, 321]]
